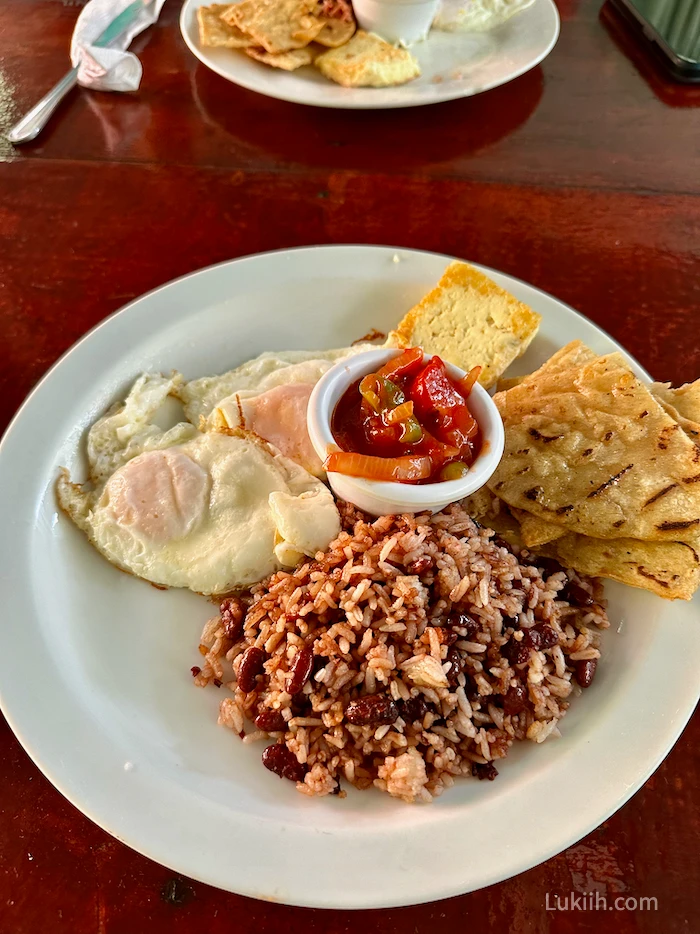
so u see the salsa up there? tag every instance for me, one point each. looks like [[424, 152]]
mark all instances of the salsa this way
[[409, 421]]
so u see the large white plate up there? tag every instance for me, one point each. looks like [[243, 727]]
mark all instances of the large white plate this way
[[94, 665], [452, 64]]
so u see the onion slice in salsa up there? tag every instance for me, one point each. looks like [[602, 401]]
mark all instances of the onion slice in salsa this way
[[400, 413], [406, 364], [406, 469], [466, 384]]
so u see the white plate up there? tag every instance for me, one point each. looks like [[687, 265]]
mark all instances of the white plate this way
[[94, 665], [452, 64]]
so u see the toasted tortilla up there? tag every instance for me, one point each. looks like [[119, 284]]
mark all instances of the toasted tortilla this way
[[536, 531], [682, 404], [669, 569], [215, 33], [335, 32], [590, 449], [507, 382], [469, 320], [288, 61], [368, 61], [276, 25]]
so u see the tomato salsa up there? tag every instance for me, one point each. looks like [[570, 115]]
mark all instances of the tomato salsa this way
[[409, 422]]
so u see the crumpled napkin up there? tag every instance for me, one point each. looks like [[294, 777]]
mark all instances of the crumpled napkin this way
[[112, 69]]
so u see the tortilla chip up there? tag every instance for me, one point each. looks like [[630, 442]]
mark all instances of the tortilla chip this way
[[669, 569], [276, 25], [536, 531], [288, 61], [335, 32], [590, 449], [469, 320], [368, 61], [215, 33]]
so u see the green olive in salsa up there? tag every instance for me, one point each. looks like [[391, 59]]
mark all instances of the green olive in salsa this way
[[408, 422]]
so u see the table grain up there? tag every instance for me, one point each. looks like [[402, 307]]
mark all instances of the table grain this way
[[581, 177]]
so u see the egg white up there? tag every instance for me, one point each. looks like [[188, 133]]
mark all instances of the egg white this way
[[210, 511], [477, 15], [270, 369]]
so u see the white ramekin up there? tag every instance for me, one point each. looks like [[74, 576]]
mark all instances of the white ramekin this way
[[384, 498], [398, 21]]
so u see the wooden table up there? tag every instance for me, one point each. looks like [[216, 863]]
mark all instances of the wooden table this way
[[580, 177]]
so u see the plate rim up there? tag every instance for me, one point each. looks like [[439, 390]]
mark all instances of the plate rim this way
[[189, 6], [73, 795]]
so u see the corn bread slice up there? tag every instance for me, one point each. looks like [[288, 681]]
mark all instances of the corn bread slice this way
[[368, 61], [470, 321]]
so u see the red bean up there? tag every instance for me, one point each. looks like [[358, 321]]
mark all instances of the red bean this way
[[374, 709], [540, 637], [232, 613], [517, 653], [420, 565], [415, 708], [548, 636], [300, 669], [251, 665], [271, 721], [585, 671], [459, 620], [532, 639], [515, 699], [454, 657], [196, 670], [282, 761], [486, 770], [576, 595], [548, 566]]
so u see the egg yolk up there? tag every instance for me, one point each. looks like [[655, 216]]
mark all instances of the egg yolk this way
[[160, 495]]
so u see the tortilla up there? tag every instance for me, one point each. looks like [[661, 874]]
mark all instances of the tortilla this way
[[335, 32], [215, 33], [669, 569], [682, 404], [276, 25], [536, 531], [508, 382], [590, 449], [288, 61]]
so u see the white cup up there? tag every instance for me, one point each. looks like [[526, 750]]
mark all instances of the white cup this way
[[386, 498], [398, 21]]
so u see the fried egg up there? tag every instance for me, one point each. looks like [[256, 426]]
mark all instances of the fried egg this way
[[477, 15], [268, 396], [210, 511]]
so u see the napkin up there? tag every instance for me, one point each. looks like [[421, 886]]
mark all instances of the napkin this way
[[112, 69]]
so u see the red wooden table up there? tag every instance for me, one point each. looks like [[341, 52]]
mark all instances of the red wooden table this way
[[580, 177]]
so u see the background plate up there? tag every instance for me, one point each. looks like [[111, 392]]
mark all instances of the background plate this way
[[452, 64], [94, 664]]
